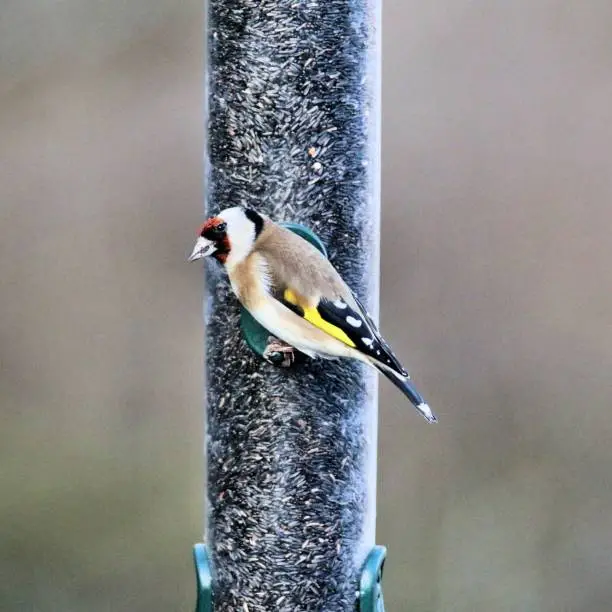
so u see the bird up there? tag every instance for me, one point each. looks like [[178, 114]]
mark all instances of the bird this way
[[293, 291]]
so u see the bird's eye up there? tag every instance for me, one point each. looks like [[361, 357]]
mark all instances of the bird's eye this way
[[214, 232]]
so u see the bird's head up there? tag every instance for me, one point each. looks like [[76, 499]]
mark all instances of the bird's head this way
[[230, 236]]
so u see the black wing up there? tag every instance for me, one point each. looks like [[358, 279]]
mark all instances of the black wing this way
[[359, 327]]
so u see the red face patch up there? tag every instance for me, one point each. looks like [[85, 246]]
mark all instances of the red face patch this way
[[214, 229], [209, 224]]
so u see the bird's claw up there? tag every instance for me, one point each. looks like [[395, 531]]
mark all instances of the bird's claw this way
[[279, 353]]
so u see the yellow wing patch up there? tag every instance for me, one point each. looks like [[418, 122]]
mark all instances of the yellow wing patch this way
[[311, 314]]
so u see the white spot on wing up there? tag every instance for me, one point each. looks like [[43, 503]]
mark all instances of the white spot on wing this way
[[368, 341], [353, 321], [340, 304]]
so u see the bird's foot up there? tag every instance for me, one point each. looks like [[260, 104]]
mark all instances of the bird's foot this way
[[279, 353]]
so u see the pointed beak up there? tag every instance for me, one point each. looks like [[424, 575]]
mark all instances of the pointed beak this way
[[203, 248]]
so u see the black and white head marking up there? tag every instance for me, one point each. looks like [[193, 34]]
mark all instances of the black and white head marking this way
[[256, 219], [242, 227]]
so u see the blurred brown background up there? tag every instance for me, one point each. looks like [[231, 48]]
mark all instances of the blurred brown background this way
[[496, 253]]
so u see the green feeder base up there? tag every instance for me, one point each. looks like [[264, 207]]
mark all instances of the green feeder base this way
[[203, 578], [370, 583]]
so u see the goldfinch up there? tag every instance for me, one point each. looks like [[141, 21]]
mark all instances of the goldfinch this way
[[293, 291]]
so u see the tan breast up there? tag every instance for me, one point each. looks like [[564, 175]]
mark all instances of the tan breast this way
[[249, 280]]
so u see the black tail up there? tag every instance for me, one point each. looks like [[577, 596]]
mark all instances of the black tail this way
[[409, 390]]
